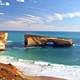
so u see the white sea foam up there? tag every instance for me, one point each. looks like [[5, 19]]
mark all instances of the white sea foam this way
[[9, 41], [76, 45], [40, 68]]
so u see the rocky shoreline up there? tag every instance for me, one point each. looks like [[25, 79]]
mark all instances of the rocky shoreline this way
[[10, 72]]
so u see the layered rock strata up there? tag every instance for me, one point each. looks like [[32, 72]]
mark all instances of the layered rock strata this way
[[37, 40], [3, 40]]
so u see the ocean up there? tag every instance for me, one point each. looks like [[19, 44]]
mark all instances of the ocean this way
[[61, 62]]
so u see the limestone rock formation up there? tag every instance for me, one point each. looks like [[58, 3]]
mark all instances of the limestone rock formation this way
[[3, 40], [37, 40]]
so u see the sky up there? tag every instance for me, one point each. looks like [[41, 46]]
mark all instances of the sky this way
[[40, 15]]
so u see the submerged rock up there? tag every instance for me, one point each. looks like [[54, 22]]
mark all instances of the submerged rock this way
[[3, 40], [10, 72], [37, 40]]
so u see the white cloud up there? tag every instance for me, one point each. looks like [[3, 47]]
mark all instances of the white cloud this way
[[13, 23], [23, 21], [72, 15], [19, 25], [45, 27], [7, 4], [31, 19], [2, 13], [50, 18], [61, 16], [0, 0], [39, 23], [20, 0], [4, 4], [28, 22]]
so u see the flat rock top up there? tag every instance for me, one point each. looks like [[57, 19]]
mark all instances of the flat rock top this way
[[10, 72]]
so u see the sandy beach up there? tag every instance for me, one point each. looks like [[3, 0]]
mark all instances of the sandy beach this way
[[45, 78]]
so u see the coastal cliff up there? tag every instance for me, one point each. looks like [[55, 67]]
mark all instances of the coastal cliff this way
[[37, 40], [10, 72], [3, 40]]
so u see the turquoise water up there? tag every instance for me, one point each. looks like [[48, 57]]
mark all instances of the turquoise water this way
[[67, 56]]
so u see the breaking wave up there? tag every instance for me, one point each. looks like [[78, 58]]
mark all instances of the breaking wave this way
[[9, 41], [75, 45], [40, 68]]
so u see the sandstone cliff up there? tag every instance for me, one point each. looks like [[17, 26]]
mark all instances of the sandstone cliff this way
[[37, 40], [3, 40]]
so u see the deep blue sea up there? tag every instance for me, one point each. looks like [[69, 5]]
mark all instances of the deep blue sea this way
[[69, 57]]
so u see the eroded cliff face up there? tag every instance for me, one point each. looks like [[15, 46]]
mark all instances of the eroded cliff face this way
[[35, 40], [3, 40]]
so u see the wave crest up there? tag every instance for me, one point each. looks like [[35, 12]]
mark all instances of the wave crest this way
[[40, 68]]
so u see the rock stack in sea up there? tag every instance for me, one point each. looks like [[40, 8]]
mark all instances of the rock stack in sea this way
[[37, 40], [3, 40]]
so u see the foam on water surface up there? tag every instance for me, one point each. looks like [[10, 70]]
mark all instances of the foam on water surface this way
[[39, 68], [9, 41]]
